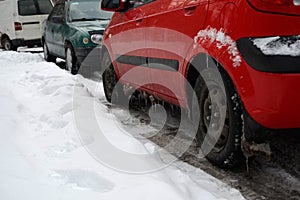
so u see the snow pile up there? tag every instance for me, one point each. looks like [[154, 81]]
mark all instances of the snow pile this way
[[33, 49], [42, 156], [288, 46], [220, 40]]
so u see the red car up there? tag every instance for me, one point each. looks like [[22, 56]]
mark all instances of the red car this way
[[164, 47]]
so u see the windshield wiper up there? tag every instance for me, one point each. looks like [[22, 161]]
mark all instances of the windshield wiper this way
[[101, 18], [81, 19], [89, 19]]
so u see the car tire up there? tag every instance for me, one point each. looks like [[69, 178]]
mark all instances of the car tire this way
[[47, 56], [226, 153], [113, 91], [7, 45], [71, 60]]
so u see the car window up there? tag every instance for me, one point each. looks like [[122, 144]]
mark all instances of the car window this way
[[26, 7], [34, 7], [44, 6], [87, 10], [58, 10]]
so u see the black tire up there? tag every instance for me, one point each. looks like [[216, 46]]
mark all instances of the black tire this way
[[47, 56], [7, 45], [226, 153], [72, 64], [113, 91]]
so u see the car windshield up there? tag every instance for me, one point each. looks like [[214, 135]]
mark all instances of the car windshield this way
[[87, 10]]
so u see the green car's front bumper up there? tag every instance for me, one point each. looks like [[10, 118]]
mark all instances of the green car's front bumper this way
[[89, 60], [88, 55]]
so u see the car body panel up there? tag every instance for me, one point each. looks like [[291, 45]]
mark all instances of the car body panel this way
[[133, 49], [163, 36]]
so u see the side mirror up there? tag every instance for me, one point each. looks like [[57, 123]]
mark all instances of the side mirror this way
[[58, 19], [113, 5]]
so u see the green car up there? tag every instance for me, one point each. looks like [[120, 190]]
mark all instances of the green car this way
[[73, 30]]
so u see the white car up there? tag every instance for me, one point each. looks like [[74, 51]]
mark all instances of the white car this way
[[21, 22]]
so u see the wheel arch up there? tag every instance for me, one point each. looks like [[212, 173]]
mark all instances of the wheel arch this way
[[43, 40], [104, 49], [4, 36], [201, 61], [68, 42]]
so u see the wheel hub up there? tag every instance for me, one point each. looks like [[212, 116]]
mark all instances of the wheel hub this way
[[7, 45], [45, 52], [213, 109], [69, 61]]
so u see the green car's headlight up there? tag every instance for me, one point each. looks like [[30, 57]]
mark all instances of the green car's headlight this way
[[96, 38]]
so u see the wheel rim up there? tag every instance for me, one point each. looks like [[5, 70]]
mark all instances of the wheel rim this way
[[69, 60], [207, 111], [45, 52], [7, 45], [212, 110]]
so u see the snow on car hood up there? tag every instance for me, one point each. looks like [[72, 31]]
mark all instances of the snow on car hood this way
[[86, 26]]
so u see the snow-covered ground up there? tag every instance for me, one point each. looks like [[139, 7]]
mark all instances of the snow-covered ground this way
[[44, 152]]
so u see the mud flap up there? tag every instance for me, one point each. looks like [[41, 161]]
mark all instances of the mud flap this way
[[253, 149]]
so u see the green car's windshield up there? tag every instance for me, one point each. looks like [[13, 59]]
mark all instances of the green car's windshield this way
[[87, 11]]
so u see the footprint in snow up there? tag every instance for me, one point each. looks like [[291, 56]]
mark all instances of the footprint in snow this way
[[57, 151], [68, 107], [82, 180], [53, 120]]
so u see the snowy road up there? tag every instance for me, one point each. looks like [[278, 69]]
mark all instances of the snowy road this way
[[277, 179], [44, 157]]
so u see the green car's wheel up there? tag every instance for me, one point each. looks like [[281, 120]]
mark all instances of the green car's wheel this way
[[47, 56], [71, 61]]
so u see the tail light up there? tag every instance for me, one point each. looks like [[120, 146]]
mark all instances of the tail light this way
[[297, 2], [18, 26], [288, 7]]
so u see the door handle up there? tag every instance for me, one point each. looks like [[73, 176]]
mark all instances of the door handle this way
[[189, 10], [139, 21], [190, 7], [139, 16]]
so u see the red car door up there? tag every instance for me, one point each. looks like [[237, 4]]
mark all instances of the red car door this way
[[128, 47], [170, 31]]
